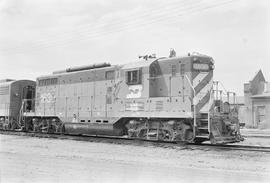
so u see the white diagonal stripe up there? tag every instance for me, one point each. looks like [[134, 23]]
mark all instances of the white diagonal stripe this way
[[199, 78], [207, 106], [203, 92]]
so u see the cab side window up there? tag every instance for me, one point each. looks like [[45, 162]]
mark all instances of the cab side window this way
[[133, 77]]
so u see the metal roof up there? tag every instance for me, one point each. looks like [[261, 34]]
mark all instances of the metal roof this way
[[138, 64], [11, 82], [7, 83], [6, 80]]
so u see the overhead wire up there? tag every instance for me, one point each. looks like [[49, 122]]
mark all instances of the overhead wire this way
[[94, 29], [97, 34], [131, 25]]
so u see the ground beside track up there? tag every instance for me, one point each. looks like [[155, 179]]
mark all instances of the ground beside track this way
[[255, 141], [265, 133], [28, 159], [255, 137]]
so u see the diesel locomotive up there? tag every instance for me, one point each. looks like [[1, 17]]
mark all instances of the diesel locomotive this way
[[164, 99]]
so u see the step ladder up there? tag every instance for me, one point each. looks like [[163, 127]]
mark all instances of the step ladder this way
[[21, 120], [203, 126]]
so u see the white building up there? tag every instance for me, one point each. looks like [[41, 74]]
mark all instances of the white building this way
[[256, 111]]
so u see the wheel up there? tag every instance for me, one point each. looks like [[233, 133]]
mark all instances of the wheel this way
[[188, 135], [131, 133], [184, 133], [165, 135], [142, 134]]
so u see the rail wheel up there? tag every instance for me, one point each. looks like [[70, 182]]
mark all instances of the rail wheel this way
[[183, 133], [165, 135], [188, 135], [142, 134]]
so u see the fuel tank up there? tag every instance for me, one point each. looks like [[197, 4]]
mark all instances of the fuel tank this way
[[92, 129]]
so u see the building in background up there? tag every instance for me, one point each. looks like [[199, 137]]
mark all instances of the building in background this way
[[256, 110]]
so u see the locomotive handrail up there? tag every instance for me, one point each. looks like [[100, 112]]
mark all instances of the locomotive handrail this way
[[155, 77], [212, 98], [194, 106]]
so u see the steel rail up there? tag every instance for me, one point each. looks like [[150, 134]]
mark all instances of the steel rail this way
[[234, 147], [140, 142]]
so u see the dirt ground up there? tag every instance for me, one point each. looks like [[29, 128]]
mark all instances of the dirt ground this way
[[29, 159]]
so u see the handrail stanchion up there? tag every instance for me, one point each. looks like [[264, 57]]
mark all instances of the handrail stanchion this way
[[194, 106]]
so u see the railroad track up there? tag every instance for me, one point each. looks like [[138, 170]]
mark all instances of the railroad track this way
[[255, 135], [139, 142], [236, 147]]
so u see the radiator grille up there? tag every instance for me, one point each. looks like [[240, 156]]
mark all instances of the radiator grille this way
[[4, 90], [159, 105]]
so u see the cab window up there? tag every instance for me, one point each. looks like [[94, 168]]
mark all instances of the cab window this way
[[133, 77]]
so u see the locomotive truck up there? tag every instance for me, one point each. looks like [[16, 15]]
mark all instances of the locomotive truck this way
[[164, 99]]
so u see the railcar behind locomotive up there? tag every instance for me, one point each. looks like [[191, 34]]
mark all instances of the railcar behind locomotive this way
[[12, 95], [165, 99]]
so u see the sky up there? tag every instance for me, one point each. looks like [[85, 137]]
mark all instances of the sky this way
[[38, 37]]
